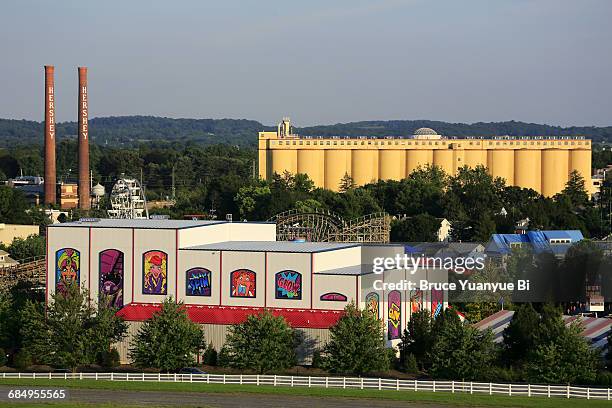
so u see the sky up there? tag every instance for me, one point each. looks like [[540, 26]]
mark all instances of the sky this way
[[317, 61]]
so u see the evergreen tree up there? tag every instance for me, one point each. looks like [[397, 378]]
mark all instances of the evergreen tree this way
[[417, 339], [263, 343], [73, 333], [346, 183], [565, 359], [169, 340], [575, 190], [461, 351], [356, 344], [210, 356], [520, 337]]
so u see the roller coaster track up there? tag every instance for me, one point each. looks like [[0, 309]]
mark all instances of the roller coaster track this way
[[29, 270], [325, 226]]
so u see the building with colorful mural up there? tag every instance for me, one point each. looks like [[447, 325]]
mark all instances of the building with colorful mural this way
[[222, 278]]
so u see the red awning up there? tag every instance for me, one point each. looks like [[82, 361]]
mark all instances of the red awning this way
[[304, 318]]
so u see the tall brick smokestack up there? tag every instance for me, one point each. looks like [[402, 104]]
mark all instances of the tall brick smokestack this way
[[50, 171], [84, 196]]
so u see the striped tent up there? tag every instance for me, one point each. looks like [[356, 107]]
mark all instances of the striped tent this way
[[595, 330]]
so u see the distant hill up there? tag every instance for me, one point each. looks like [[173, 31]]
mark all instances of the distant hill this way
[[131, 130]]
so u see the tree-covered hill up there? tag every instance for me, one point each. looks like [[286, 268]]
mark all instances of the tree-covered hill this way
[[407, 127], [131, 130]]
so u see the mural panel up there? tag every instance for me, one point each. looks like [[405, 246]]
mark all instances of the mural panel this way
[[333, 297], [288, 285], [67, 268], [198, 282], [155, 273], [111, 277], [371, 301], [437, 302], [243, 283], [394, 315], [416, 300]]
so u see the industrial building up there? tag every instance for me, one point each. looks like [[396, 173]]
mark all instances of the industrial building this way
[[539, 163], [221, 278], [8, 232], [554, 242]]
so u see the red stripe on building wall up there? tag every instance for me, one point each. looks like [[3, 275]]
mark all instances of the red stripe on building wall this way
[[176, 243], [311, 277], [265, 278], [133, 256], [220, 277], [316, 319], [89, 270]]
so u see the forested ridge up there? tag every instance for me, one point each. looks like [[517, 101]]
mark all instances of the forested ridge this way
[[132, 130]]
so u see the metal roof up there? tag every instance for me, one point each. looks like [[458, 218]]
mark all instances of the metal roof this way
[[539, 241], [353, 270], [140, 224], [273, 246]]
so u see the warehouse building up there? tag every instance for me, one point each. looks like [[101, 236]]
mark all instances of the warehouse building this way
[[541, 163], [222, 278]]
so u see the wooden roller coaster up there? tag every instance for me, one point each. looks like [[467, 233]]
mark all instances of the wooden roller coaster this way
[[326, 226], [29, 270]]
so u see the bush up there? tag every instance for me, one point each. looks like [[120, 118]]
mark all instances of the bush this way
[[357, 344], [30, 247], [504, 375], [110, 358], [566, 359], [392, 356], [317, 360], [410, 364], [604, 378], [2, 357], [263, 343], [169, 340], [460, 350], [22, 360], [210, 356], [223, 359]]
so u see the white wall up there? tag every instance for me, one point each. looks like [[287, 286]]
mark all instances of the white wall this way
[[233, 260], [61, 237], [154, 239], [204, 259], [115, 238], [278, 262]]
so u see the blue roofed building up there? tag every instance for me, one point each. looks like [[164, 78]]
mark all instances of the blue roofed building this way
[[555, 242]]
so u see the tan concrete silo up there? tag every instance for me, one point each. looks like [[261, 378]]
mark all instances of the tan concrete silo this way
[[392, 164], [527, 169], [364, 166], [555, 170], [312, 163], [337, 164]]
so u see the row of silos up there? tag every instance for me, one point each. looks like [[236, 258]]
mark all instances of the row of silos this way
[[544, 170]]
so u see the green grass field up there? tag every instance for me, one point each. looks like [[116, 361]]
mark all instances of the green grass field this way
[[391, 395]]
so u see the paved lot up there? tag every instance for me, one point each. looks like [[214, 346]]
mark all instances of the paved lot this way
[[158, 398]]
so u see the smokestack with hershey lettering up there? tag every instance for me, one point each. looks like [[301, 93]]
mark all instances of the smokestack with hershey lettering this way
[[50, 172], [84, 196]]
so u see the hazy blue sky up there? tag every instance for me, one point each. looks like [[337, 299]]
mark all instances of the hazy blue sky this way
[[545, 61]]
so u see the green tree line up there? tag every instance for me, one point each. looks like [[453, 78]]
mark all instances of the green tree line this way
[[122, 131]]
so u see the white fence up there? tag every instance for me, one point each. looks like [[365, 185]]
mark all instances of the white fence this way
[[527, 390]]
